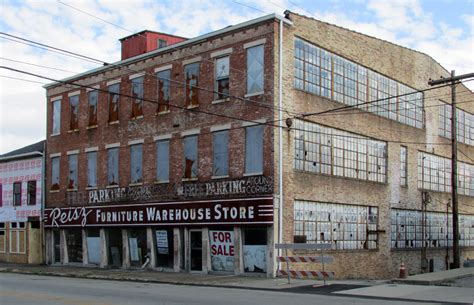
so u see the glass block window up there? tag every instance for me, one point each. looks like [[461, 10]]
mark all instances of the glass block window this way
[[325, 150], [403, 165], [323, 73], [464, 126], [346, 227], [407, 227]]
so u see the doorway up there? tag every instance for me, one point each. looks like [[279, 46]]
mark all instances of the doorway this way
[[56, 247], [195, 240]]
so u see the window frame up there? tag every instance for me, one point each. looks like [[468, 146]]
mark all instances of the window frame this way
[[93, 97], [163, 94], [113, 107], [90, 169], [74, 112], [136, 154], [218, 155], [137, 88], [56, 117], [31, 190], [16, 199], [218, 79], [159, 157], [259, 81], [73, 174], [116, 171], [191, 90], [55, 179], [403, 166], [250, 160], [190, 142]]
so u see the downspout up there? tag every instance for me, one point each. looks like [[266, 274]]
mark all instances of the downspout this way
[[43, 201], [280, 137]]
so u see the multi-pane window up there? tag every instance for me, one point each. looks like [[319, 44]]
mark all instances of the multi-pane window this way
[[163, 160], [55, 173], [403, 166], [72, 182], [113, 101], [192, 81], [16, 193], [112, 166], [74, 112], [137, 94], [222, 78], [434, 173], [2, 237], [344, 226], [254, 149], [255, 71], [330, 151], [17, 237], [407, 227], [31, 192], [164, 89], [190, 156], [322, 73], [136, 152], [56, 116], [220, 149], [91, 169], [93, 97], [464, 126]]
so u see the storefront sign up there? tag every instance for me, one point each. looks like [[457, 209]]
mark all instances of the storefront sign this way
[[241, 211], [222, 250], [162, 241]]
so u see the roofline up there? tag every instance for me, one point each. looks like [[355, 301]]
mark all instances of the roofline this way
[[22, 156], [144, 31], [171, 47]]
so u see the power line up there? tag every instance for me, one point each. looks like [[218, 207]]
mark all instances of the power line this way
[[22, 79], [41, 66]]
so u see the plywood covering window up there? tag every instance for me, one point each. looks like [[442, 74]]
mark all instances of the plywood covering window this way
[[192, 81], [112, 166], [464, 126], [190, 156], [162, 160], [164, 90], [31, 192], [113, 101], [344, 226], [17, 193], [17, 237], [330, 151], [409, 226], [55, 173], [220, 151], [91, 169], [255, 70], [222, 80], [93, 98], [136, 163], [137, 100], [320, 72], [72, 180], [74, 112]]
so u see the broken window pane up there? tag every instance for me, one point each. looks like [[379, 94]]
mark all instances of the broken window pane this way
[[93, 99], [136, 163], [55, 173], [72, 184], [220, 150], [137, 93], [114, 97], [222, 78], [192, 81], [92, 169], [164, 90], [56, 116], [162, 160], [74, 114], [255, 69], [190, 157], [254, 149], [112, 166]]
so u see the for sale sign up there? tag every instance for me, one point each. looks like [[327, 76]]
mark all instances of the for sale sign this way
[[222, 250]]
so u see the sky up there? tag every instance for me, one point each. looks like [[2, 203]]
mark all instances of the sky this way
[[443, 29]]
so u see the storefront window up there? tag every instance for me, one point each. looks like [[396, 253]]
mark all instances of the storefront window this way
[[115, 247], [138, 247], [165, 248], [222, 250], [93, 246], [74, 245], [255, 250]]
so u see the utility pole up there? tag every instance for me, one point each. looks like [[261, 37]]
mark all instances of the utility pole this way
[[454, 160]]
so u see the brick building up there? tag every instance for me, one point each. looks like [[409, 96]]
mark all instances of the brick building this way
[[171, 158], [21, 197]]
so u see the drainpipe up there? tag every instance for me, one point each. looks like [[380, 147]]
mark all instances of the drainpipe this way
[[280, 137]]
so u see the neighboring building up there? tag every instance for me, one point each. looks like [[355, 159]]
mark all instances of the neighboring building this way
[[21, 185], [173, 154]]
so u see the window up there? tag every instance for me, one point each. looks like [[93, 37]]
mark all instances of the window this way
[[344, 226], [190, 157], [162, 43], [31, 192], [353, 84], [72, 160], [222, 78], [137, 93], [55, 173], [2, 237], [330, 151], [93, 97], [92, 169], [1, 196], [112, 166], [56, 117], [16, 193], [17, 237], [254, 150], [164, 89], [192, 80], [220, 148], [114, 97], [136, 163], [162, 160], [403, 166], [74, 112], [464, 126], [255, 70]]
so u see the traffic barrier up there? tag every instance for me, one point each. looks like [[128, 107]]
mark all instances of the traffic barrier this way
[[307, 274]]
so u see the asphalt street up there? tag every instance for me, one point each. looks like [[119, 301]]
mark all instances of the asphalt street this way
[[16, 289]]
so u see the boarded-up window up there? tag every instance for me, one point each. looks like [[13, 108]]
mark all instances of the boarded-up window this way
[[112, 166], [31, 192], [114, 97], [56, 116], [93, 100], [2, 237], [74, 112], [192, 81], [255, 69], [222, 78], [163, 78], [190, 157], [92, 169], [72, 183], [220, 148], [17, 237], [254, 150], [137, 93], [136, 163], [162, 160], [16, 193], [55, 173]]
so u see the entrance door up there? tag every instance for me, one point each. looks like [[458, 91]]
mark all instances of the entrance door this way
[[56, 247], [195, 239]]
